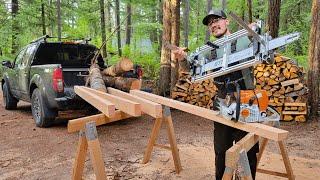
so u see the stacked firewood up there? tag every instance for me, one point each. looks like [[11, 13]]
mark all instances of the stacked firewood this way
[[119, 76], [199, 94], [284, 82]]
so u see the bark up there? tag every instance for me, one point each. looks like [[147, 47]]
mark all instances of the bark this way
[[43, 19], [314, 58], [165, 74], [122, 66], [95, 78], [59, 19], [209, 7], [117, 14], [153, 32], [128, 24], [160, 19], [109, 20], [186, 14], [103, 29], [15, 26], [175, 38], [274, 17], [249, 4], [121, 83]]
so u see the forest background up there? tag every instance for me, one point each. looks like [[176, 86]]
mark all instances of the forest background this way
[[22, 21]]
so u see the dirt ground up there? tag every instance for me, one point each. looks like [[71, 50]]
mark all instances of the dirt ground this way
[[28, 152]]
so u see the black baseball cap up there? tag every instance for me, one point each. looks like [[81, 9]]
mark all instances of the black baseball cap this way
[[215, 13]]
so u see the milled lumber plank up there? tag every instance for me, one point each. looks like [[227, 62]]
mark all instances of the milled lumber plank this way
[[80, 158], [100, 119], [127, 106], [256, 128], [106, 107], [233, 153], [151, 108]]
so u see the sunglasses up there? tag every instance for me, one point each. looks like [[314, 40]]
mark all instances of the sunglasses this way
[[212, 21]]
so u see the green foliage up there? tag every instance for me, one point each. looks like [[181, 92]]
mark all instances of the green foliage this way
[[81, 19]]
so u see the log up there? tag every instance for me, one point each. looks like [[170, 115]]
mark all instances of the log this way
[[118, 69], [95, 79], [122, 83]]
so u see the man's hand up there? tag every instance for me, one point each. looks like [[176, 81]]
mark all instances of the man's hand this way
[[179, 53]]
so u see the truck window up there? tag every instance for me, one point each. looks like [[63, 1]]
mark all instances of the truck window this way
[[19, 58], [68, 55], [28, 54]]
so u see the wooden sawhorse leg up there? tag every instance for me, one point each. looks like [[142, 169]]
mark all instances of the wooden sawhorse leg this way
[[171, 136], [88, 139], [285, 158]]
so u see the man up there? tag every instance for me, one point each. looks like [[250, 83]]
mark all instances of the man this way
[[225, 136]]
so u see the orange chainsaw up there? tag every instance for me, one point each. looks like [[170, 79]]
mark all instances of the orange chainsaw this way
[[250, 106]]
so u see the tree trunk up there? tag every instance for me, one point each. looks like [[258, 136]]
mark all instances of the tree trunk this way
[[15, 26], [109, 20], [209, 7], [117, 13], [128, 24], [165, 74], [103, 29], [249, 4], [274, 17], [186, 14], [160, 19], [43, 19], [314, 58], [175, 38], [198, 22], [224, 4], [59, 19], [153, 32]]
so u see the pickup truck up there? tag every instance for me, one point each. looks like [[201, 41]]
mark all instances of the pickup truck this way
[[44, 73]]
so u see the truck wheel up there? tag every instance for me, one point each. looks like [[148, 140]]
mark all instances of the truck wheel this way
[[42, 115], [9, 102]]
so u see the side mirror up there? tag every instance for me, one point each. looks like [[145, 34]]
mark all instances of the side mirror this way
[[6, 64]]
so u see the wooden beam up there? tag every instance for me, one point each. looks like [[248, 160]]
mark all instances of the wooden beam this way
[[106, 107], [100, 119], [256, 128], [274, 173], [246, 143], [151, 108], [286, 160], [127, 106], [80, 158], [95, 151]]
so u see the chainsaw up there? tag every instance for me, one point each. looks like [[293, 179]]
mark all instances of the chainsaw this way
[[250, 105]]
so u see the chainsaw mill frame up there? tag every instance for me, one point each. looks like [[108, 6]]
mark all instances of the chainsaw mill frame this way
[[261, 51]]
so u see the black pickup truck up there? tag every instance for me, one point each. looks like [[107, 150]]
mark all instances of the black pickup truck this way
[[44, 74]]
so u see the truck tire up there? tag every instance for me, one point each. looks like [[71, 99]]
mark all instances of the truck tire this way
[[42, 114], [9, 102]]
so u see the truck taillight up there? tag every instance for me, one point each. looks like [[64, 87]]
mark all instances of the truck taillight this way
[[57, 79], [139, 72]]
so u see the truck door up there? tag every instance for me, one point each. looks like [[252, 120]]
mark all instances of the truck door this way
[[24, 72], [13, 74]]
